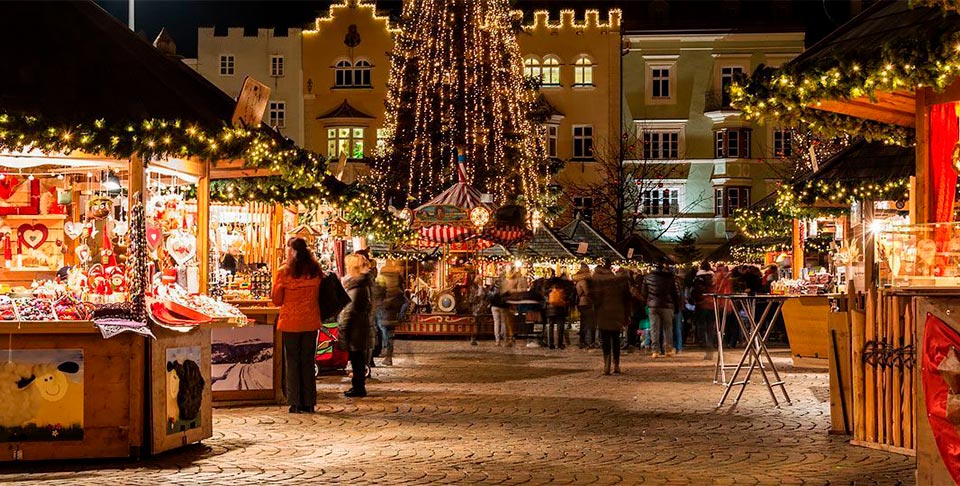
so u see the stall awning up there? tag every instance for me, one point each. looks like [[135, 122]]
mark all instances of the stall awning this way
[[579, 231], [867, 161], [546, 243], [643, 250]]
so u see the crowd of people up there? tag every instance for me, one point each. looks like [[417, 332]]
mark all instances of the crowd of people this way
[[616, 310]]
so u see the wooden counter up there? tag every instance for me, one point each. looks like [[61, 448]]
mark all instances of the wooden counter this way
[[247, 361], [805, 318]]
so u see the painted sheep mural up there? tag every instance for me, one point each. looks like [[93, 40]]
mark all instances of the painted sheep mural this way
[[184, 390], [43, 391]]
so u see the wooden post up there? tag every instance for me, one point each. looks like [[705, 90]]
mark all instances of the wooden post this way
[[797, 250], [203, 225], [924, 193]]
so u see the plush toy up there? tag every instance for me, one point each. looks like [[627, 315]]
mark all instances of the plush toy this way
[[99, 208], [117, 278]]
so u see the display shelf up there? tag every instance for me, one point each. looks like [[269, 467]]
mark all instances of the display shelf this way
[[28, 217], [48, 327]]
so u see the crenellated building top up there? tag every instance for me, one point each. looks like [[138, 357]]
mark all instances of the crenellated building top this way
[[367, 5], [568, 21]]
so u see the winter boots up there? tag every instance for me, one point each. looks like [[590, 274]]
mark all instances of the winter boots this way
[[606, 364]]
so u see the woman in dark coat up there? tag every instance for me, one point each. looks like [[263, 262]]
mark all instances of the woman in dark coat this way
[[356, 323]]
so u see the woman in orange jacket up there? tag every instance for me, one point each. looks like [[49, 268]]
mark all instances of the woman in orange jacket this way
[[296, 290]]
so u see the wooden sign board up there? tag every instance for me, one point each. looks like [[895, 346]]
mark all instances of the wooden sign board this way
[[251, 104], [444, 213], [582, 247], [629, 253]]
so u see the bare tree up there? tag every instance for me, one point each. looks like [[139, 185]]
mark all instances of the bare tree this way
[[632, 184]]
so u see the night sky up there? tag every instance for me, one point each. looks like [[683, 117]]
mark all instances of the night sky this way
[[183, 17]]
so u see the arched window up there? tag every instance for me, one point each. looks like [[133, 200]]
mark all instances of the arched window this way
[[361, 73], [344, 73], [583, 72], [551, 71], [531, 68]]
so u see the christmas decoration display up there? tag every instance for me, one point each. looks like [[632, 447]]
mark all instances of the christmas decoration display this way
[[840, 192], [456, 81], [137, 260], [763, 222]]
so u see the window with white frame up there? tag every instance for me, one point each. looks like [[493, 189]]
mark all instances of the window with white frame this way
[[729, 199], [583, 208], [531, 68], [361, 73], [732, 143], [551, 71], [227, 64], [278, 114], [660, 82], [782, 142], [583, 72], [344, 76], [276, 66], [552, 135], [661, 144], [347, 140], [663, 200], [727, 74], [583, 141]]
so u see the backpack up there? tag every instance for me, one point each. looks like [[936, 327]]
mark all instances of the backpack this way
[[557, 297], [332, 297]]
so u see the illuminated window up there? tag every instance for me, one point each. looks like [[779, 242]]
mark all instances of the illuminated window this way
[[347, 140], [344, 74], [661, 201], [583, 72], [531, 68], [583, 141], [551, 71], [361, 73], [727, 75], [278, 114], [730, 199], [276, 66], [227, 64], [661, 145], [732, 143]]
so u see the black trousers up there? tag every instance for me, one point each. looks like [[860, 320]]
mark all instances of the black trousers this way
[[358, 361], [610, 342], [299, 354], [558, 323]]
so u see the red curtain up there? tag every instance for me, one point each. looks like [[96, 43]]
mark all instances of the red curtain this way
[[938, 338], [943, 137]]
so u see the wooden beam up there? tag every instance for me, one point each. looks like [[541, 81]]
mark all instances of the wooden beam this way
[[218, 173], [950, 93], [864, 108]]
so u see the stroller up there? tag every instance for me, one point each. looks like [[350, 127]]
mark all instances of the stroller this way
[[328, 357]]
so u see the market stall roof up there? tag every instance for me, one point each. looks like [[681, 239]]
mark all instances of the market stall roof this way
[[643, 250], [867, 161], [546, 243], [579, 231], [72, 61]]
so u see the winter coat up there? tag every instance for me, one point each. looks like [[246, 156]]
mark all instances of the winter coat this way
[[611, 299], [298, 299], [355, 323], [582, 281], [569, 295], [703, 284], [659, 290]]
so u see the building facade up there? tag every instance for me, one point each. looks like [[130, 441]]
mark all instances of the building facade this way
[[271, 57], [600, 87], [712, 161]]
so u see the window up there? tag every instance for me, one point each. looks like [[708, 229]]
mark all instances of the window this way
[[344, 74], [732, 143], [661, 145], [278, 114], [583, 207], [551, 71], [782, 142], [383, 138], [531, 68], [730, 199], [727, 73], [361, 73], [227, 64], [583, 72], [661, 82], [583, 141], [552, 132], [276, 66], [661, 201], [347, 140]]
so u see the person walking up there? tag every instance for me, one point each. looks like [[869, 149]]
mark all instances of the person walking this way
[[355, 323], [659, 291], [296, 291], [393, 302], [559, 292], [704, 306], [611, 296], [588, 326], [502, 330]]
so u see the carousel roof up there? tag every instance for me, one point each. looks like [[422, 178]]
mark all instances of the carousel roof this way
[[72, 61], [461, 194]]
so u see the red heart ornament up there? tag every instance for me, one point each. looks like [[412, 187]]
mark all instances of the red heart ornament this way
[[153, 237], [8, 186], [33, 235]]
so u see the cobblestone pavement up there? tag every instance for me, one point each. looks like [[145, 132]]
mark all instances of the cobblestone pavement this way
[[450, 413]]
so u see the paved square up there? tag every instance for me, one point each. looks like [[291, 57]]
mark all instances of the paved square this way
[[451, 413]]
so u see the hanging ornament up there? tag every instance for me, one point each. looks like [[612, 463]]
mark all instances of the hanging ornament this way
[[83, 254], [154, 237], [72, 230], [120, 228], [181, 246], [33, 235]]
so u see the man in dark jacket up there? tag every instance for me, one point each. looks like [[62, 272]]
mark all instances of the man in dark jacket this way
[[660, 292], [611, 298]]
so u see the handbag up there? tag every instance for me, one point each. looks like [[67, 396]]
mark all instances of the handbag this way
[[332, 297]]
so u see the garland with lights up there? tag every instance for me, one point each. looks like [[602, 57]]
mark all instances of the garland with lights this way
[[953, 5], [818, 245], [798, 200], [790, 94], [763, 222]]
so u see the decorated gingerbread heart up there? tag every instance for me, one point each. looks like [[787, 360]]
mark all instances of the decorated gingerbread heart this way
[[72, 230], [154, 237], [181, 246], [33, 235], [83, 253]]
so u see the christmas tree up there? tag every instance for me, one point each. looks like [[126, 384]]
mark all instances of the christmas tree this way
[[456, 82]]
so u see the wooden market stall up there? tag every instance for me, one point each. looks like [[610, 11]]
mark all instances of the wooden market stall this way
[[877, 77]]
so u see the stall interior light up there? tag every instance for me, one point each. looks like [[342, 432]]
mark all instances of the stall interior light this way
[[876, 226]]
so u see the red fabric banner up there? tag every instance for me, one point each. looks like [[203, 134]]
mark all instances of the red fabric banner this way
[[943, 137], [938, 338]]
